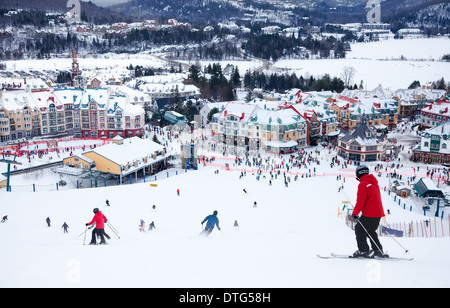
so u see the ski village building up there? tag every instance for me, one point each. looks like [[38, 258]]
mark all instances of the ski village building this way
[[122, 158], [435, 114], [434, 145], [90, 113], [362, 143]]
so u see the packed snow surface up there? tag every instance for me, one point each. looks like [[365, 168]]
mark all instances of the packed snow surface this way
[[276, 244]]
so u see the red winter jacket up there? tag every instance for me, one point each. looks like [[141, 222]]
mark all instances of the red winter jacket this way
[[368, 200], [99, 220]]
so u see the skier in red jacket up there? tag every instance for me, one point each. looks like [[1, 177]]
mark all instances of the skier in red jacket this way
[[99, 230], [369, 204]]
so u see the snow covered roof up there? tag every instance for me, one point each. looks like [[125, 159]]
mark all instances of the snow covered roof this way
[[14, 100], [280, 144], [69, 96], [362, 134], [132, 149], [277, 117], [44, 98], [440, 108], [23, 83], [241, 110], [134, 96], [441, 129], [100, 96]]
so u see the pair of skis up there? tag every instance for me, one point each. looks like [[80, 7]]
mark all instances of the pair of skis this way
[[341, 256]]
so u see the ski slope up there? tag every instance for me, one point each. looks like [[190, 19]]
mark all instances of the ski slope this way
[[276, 244]]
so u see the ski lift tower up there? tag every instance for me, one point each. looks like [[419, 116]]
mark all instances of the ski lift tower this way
[[6, 158], [189, 157]]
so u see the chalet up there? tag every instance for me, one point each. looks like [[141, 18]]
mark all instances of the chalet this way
[[434, 145], [425, 187], [19, 115], [232, 124], [435, 114], [174, 117], [79, 161], [279, 131], [125, 157], [362, 144]]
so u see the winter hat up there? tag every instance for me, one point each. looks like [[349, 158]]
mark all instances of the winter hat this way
[[96, 210], [215, 213]]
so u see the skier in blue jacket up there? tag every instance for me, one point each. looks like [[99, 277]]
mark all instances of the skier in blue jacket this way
[[211, 221]]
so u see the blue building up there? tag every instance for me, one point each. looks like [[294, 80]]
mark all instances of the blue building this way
[[174, 117]]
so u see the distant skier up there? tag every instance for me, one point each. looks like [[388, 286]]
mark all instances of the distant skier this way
[[369, 203], [236, 226], [244, 190], [178, 192], [142, 226], [5, 218], [255, 204], [48, 221], [151, 226], [107, 202], [65, 227], [211, 222], [99, 230]]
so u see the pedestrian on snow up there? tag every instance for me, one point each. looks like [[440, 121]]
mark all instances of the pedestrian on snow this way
[[99, 230], [211, 222], [151, 226], [5, 218], [369, 204], [48, 221], [65, 227]]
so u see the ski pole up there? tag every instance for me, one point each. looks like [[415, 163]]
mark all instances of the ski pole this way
[[359, 221], [83, 232], [111, 226], [391, 236], [113, 230], [84, 240]]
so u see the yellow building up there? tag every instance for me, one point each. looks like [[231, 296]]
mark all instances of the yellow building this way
[[19, 115], [79, 161], [123, 157], [2, 181]]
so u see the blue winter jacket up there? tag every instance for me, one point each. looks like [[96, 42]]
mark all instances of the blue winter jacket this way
[[212, 221]]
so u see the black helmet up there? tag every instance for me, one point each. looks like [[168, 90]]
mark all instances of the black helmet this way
[[361, 170], [95, 210], [215, 213]]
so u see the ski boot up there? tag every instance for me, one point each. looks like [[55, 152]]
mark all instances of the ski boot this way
[[378, 254], [361, 254]]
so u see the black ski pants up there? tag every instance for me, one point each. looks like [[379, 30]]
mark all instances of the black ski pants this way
[[370, 225], [100, 233]]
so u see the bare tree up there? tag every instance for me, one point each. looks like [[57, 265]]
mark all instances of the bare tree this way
[[347, 75]]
